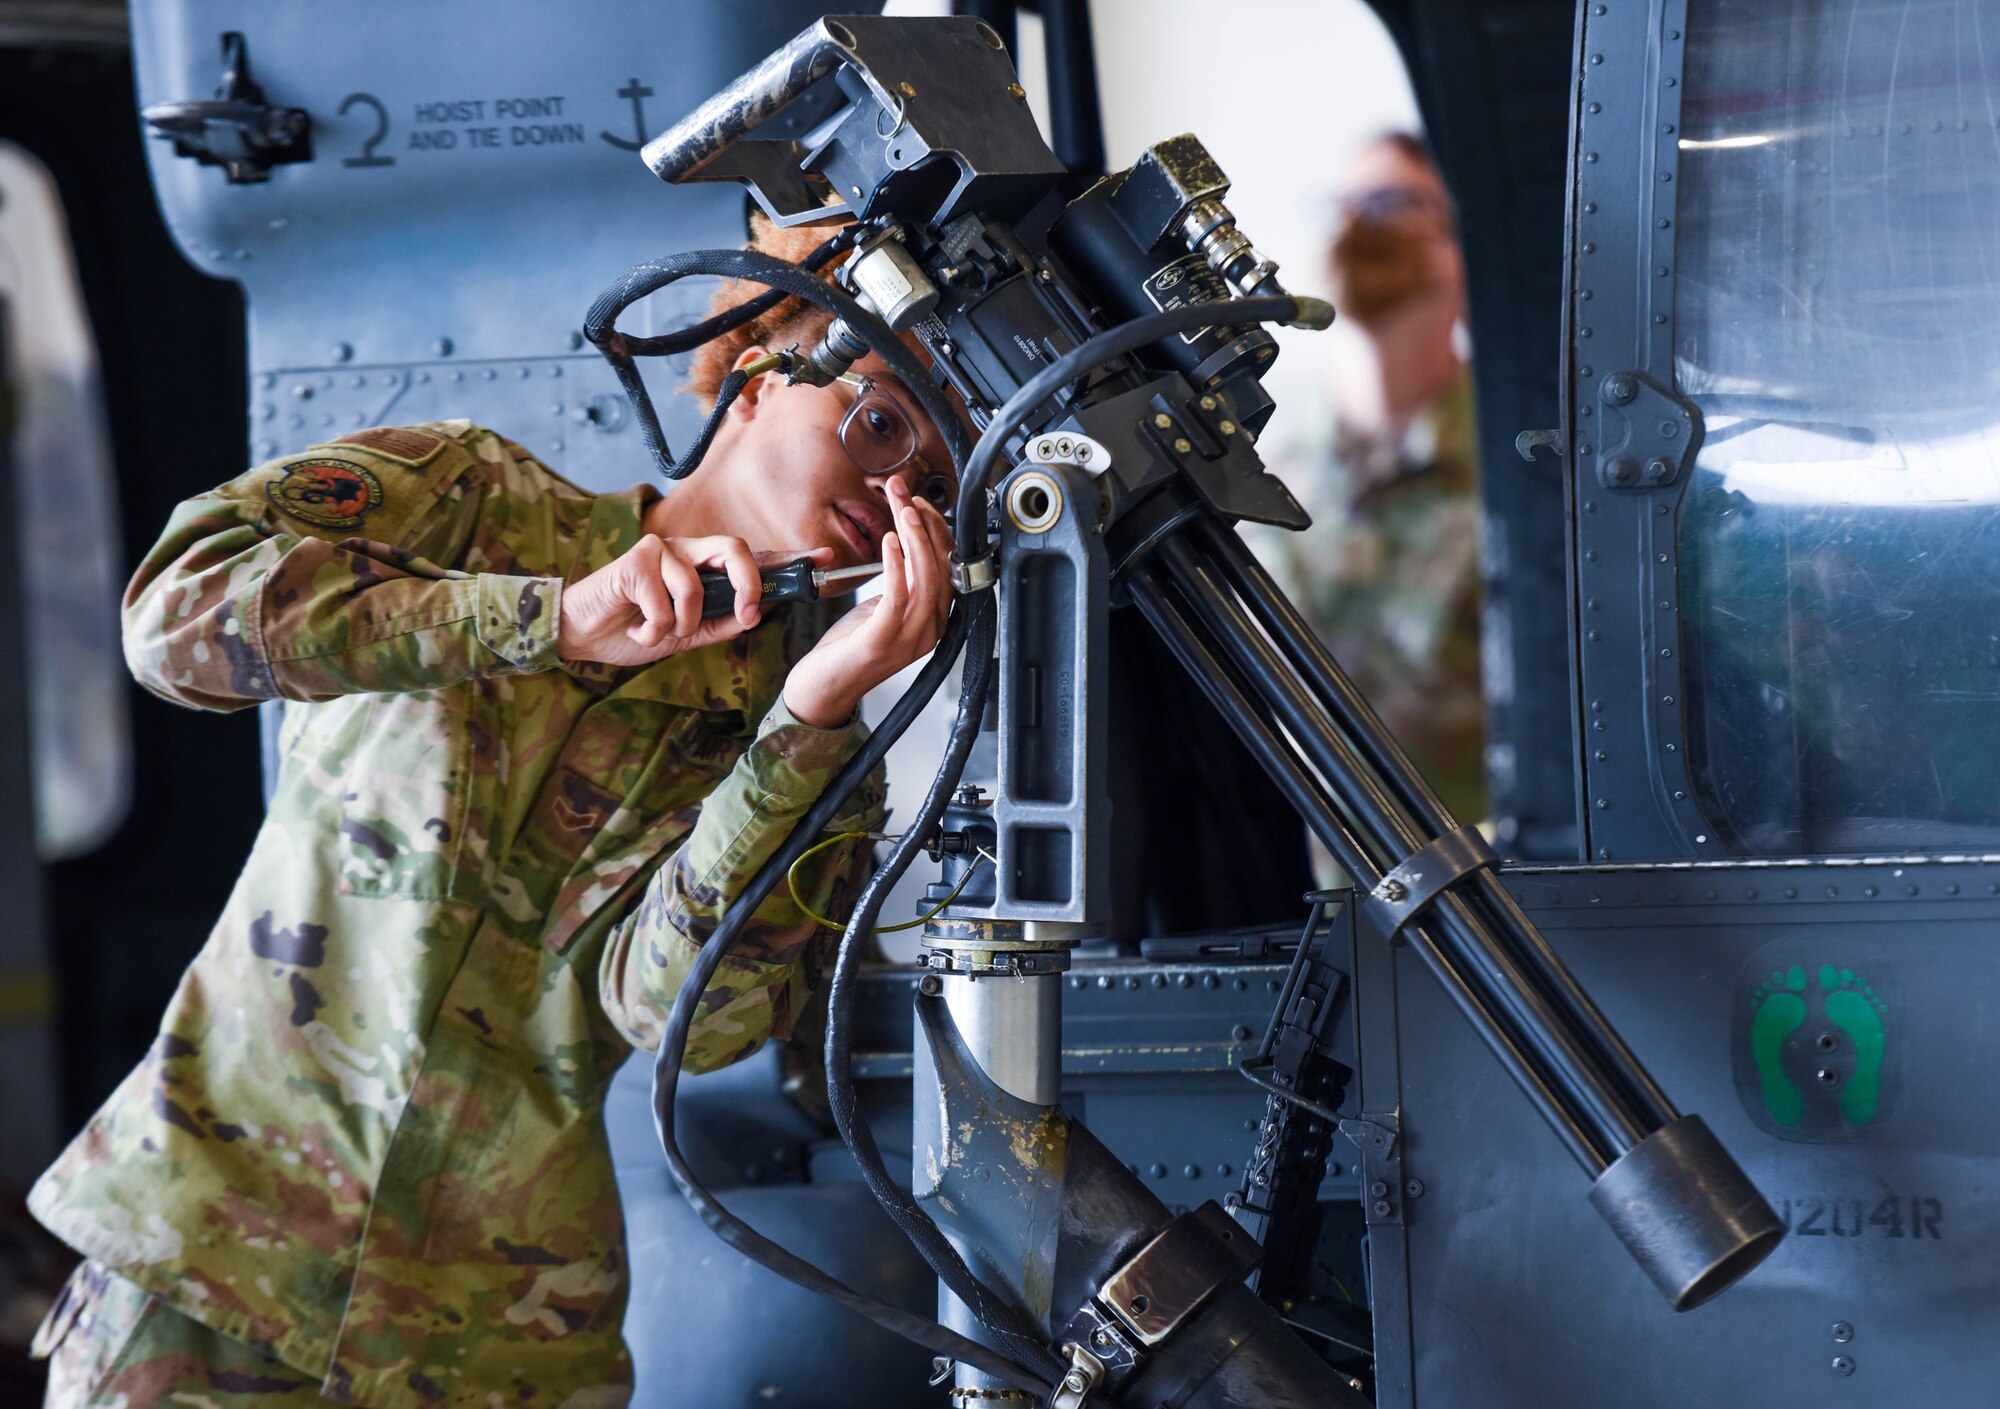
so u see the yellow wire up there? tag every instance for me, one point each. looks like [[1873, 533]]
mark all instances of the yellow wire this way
[[792, 883]]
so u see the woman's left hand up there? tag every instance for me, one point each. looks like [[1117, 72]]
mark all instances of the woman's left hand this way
[[881, 636]]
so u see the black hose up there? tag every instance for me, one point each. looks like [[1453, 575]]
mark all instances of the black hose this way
[[732, 387], [1091, 352], [901, 1206], [674, 1038], [898, 1202], [729, 320], [1016, 1335], [600, 326], [975, 467]]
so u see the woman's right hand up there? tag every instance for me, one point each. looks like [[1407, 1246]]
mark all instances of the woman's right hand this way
[[646, 604]]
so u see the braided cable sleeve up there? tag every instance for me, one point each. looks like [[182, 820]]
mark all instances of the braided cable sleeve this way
[[600, 326], [1018, 1337], [674, 1039], [729, 320]]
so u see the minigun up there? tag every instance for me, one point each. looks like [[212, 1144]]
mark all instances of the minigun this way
[[1108, 337]]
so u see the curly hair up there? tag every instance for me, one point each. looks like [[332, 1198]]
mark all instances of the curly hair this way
[[792, 322]]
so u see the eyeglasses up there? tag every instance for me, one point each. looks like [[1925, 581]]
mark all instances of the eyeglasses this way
[[1383, 205], [878, 437]]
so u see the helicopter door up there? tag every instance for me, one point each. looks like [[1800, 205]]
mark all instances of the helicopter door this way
[[1784, 333]]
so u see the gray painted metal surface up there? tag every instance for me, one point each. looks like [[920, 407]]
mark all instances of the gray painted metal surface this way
[[1638, 800], [475, 182], [1049, 813], [1149, 1055], [708, 1326], [1868, 1120], [1149, 1052]]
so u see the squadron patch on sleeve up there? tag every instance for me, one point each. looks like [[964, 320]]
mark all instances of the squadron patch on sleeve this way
[[325, 492]]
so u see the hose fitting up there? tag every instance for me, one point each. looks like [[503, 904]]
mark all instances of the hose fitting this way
[[831, 357], [1210, 230]]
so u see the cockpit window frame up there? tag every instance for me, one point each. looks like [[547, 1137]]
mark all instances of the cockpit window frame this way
[[1630, 439]]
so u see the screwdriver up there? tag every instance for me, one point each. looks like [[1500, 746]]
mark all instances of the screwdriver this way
[[794, 582]]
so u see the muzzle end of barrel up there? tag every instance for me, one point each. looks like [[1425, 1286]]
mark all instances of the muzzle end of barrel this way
[[1687, 1212]]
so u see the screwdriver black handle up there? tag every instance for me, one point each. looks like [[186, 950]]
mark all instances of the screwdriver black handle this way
[[791, 583]]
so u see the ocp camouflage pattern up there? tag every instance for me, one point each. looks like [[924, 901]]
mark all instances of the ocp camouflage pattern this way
[[112, 1345], [368, 1140]]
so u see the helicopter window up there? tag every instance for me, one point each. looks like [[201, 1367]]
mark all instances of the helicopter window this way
[[65, 521], [1837, 319]]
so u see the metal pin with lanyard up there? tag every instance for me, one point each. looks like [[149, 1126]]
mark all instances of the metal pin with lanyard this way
[[794, 582]]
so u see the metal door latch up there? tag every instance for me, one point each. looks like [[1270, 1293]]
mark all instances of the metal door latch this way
[[1528, 442], [236, 129]]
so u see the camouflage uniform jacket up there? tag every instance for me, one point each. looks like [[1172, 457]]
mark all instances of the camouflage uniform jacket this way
[[369, 1139]]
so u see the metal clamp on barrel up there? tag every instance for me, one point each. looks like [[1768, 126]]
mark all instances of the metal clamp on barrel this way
[[1401, 895]]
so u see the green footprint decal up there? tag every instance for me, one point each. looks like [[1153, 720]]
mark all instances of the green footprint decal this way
[[1781, 1008], [1850, 1016], [1853, 1006]]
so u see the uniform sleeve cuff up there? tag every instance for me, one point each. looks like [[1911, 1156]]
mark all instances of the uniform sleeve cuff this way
[[790, 752], [518, 618], [791, 763]]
